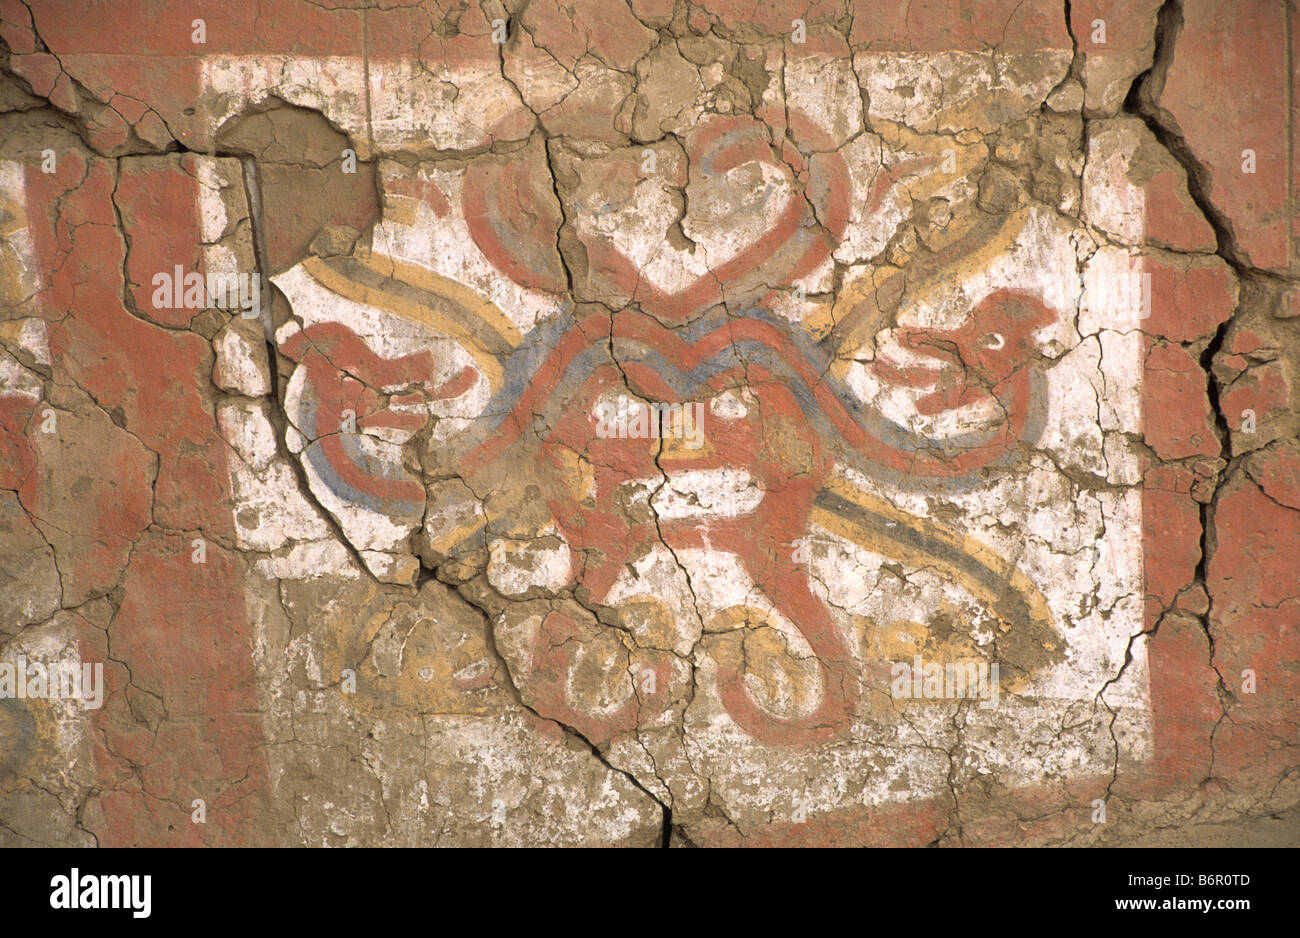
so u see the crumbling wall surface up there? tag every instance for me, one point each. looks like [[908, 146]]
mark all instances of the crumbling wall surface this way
[[648, 422]]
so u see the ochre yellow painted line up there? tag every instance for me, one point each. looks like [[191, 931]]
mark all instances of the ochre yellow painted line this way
[[378, 298], [940, 540], [484, 310]]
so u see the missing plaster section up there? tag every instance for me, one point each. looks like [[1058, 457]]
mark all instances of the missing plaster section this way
[[252, 194], [666, 828]]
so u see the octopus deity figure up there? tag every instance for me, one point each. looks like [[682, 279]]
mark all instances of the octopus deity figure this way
[[794, 417]]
